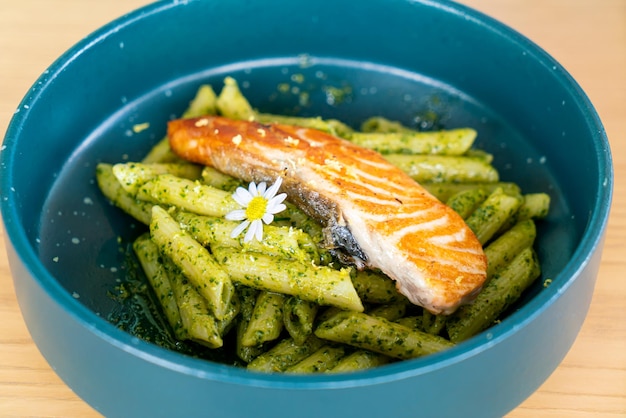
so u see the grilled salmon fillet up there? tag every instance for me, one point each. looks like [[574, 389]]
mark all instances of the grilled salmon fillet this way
[[374, 214]]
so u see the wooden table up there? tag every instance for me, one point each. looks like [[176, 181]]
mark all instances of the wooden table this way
[[587, 37]]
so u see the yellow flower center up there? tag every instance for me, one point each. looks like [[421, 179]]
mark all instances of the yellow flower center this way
[[256, 208]]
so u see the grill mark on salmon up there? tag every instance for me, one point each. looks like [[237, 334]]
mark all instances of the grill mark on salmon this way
[[374, 214]]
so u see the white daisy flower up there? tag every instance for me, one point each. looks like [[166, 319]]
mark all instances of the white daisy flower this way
[[259, 206]]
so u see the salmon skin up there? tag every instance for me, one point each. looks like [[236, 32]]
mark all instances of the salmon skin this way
[[374, 215]]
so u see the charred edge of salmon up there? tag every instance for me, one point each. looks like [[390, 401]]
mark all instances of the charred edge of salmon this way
[[342, 244], [337, 238]]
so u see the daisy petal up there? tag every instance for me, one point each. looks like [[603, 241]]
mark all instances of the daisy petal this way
[[261, 188], [276, 209], [276, 203], [239, 229], [236, 215], [242, 196], [258, 233], [268, 218], [252, 189], [280, 198], [251, 233], [271, 192]]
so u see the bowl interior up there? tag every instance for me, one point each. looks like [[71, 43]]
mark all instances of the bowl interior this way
[[527, 111]]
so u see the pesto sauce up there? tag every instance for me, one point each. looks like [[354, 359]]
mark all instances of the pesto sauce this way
[[136, 310]]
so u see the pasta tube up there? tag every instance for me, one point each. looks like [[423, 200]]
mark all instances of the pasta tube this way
[[299, 316], [413, 322], [195, 261], [502, 250], [433, 324], [444, 168], [479, 154], [445, 190], [219, 180], [202, 104], [293, 216], [383, 125], [375, 287], [445, 142], [113, 190], [489, 217], [319, 284], [391, 311], [534, 206], [379, 335], [132, 175], [148, 255], [169, 190], [199, 325], [266, 321], [161, 153], [504, 288], [359, 360], [247, 296], [284, 355], [323, 359], [232, 104], [467, 201], [332, 126]]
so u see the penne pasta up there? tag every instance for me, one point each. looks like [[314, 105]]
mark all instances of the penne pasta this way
[[444, 168], [132, 176], [286, 303], [148, 254], [325, 358], [299, 317], [379, 335], [491, 214], [359, 360], [284, 355], [169, 190], [450, 142], [319, 284], [195, 262], [504, 288], [113, 190], [266, 321]]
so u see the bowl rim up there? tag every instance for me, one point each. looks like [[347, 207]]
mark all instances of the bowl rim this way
[[590, 240]]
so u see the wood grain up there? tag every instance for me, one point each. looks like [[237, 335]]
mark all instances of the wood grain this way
[[587, 37]]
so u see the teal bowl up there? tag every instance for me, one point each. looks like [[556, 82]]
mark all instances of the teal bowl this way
[[403, 59]]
